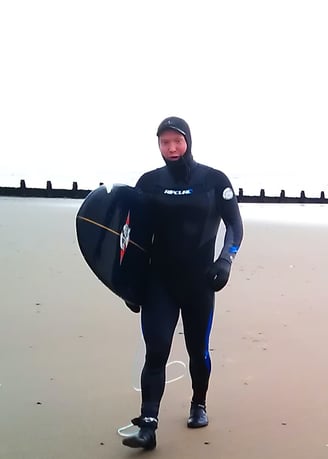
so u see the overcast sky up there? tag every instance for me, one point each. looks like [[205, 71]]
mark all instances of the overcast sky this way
[[84, 84]]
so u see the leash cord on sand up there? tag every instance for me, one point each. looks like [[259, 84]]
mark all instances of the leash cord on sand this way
[[131, 429]]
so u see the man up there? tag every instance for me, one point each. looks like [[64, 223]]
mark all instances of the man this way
[[188, 201]]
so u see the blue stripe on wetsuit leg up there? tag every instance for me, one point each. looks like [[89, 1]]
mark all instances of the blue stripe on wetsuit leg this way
[[207, 338]]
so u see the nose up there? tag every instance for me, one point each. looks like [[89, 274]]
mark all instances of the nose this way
[[172, 147]]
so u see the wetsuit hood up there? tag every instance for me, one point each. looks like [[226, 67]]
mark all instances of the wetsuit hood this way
[[180, 169]]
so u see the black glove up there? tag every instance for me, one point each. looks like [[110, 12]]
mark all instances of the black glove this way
[[134, 307], [219, 273]]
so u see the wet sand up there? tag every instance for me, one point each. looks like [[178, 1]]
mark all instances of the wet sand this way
[[70, 351]]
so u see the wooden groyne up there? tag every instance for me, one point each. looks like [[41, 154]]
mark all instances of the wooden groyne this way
[[75, 193]]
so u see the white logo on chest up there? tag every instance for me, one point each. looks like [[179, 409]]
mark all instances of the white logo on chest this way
[[178, 192]]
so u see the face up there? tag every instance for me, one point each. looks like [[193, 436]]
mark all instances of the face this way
[[172, 145]]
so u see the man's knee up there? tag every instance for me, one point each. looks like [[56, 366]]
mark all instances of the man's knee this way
[[156, 358]]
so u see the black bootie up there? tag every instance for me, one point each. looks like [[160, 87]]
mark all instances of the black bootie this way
[[146, 437], [198, 416]]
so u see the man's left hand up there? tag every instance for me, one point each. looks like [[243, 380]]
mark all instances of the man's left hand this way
[[219, 274]]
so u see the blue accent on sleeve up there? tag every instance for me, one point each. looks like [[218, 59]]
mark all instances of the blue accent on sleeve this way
[[234, 249]]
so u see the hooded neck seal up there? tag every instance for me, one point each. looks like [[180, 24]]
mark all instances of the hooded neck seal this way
[[181, 168]]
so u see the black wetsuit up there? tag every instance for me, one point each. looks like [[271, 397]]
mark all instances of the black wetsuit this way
[[188, 201]]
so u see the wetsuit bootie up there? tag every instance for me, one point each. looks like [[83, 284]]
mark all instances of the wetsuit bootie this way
[[198, 416], [146, 437]]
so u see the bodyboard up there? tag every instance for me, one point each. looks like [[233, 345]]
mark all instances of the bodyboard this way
[[114, 234]]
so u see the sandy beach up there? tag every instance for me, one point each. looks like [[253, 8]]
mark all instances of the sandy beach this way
[[70, 351]]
